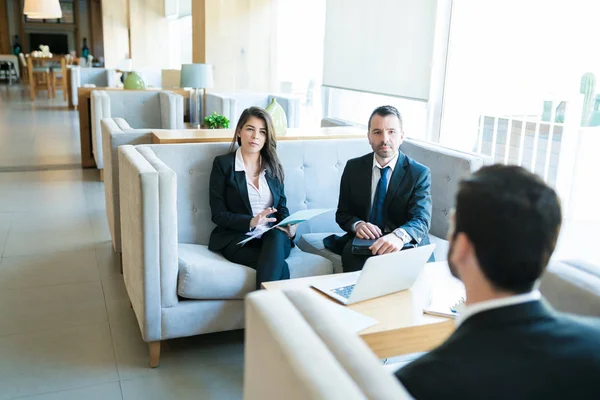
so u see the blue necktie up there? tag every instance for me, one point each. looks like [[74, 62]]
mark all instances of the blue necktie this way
[[376, 216]]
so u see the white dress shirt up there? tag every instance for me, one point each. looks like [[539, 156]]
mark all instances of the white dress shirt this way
[[260, 197], [375, 176], [473, 309]]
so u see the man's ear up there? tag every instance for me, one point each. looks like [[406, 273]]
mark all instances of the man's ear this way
[[462, 248]]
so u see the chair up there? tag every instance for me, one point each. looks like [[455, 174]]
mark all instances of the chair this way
[[231, 105], [90, 77], [37, 77], [59, 78], [295, 350], [140, 108], [180, 288]]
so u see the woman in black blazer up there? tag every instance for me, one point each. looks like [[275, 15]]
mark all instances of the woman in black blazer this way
[[247, 194]]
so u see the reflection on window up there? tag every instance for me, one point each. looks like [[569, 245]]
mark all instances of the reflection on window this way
[[356, 107]]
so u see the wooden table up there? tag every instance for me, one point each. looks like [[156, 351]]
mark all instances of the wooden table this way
[[31, 60], [402, 327], [84, 95], [167, 136]]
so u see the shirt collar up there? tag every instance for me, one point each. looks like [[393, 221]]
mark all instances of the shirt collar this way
[[391, 164], [482, 306], [239, 162]]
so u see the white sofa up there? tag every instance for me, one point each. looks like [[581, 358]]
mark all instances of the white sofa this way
[[140, 108], [90, 77], [231, 105], [295, 350], [176, 285]]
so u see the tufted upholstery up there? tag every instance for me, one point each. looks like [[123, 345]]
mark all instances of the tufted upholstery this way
[[174, 215], [90, 77], [140, 108], [231, 105]]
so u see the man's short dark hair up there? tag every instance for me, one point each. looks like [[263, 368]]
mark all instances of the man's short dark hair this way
[[384, 111], [513, 219]]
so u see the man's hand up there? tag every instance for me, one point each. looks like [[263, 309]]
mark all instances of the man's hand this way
[[262, 217], [389, 243], [290, 230], [366, 230]]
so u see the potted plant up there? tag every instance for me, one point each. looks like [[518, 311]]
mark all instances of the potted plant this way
[[216, 121]]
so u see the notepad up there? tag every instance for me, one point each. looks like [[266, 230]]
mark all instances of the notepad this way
[[443, 304]]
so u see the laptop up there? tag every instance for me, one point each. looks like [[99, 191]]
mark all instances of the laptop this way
[[381, 275]]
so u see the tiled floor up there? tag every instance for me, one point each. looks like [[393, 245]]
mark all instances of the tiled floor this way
[[66, 329]]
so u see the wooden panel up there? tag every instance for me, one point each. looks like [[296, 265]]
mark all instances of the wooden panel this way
[[96, 29], [199, 31], [150, 46], [5, 45], [115, 19]]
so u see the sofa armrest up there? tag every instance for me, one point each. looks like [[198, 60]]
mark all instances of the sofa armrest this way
[[100, 105], [75, 83], [171, 110], [221, 104], [291, 106], [284, 358], [117, 132], [571, 288], [167, 219], [138, 185]]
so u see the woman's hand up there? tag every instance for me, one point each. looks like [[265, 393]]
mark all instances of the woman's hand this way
[[262, 218], [290, 230]]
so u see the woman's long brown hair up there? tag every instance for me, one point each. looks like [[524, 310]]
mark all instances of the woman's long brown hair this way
[[268, 154]]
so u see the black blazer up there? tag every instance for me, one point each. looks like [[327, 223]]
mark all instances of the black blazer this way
[[525, 351], [407, 201], [230, 205]]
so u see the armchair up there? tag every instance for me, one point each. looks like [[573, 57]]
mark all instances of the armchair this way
[[141, 109], [90, 77], [231, 105]]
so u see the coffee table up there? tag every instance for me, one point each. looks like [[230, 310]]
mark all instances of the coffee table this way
[[402, 327]]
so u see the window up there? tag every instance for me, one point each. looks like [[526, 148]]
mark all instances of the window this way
[[356, 107]]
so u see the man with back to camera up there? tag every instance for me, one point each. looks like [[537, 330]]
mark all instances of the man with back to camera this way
[[509, 344], [384, 195]]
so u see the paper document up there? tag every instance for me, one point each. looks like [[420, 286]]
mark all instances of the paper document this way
[[295, 218], [348, 318]]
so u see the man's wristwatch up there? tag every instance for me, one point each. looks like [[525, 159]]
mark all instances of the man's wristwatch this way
[[401, 233]]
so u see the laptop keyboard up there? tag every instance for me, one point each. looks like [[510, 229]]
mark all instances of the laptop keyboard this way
[[344, 291]]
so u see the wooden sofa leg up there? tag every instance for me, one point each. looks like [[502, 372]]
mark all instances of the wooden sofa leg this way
[[101, 175], [154, 353], [121, 262]]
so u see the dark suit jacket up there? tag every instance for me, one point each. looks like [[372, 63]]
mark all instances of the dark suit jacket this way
[[525, 351], [407, 201], [230, 205]]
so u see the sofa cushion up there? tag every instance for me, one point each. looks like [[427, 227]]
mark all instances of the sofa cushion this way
[[204, 274], [313, 243]]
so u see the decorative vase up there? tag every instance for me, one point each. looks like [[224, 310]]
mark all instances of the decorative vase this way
[[278, 117], [134, 82]]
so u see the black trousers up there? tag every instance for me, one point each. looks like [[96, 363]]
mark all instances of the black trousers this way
[[352, 262], [266, 255]]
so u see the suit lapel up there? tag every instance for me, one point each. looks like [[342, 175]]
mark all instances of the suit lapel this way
[[275, 191], [240, 180], [397, 176], [366, 177]]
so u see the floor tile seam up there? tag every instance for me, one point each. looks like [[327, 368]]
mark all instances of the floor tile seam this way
[[110, 330], [64, 327], [46, 286], [66, 390], [50, 254]]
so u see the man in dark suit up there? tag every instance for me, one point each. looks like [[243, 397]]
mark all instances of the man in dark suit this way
[[384, 195], [509, 344]]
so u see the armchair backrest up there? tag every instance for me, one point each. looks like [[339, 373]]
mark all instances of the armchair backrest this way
[[313, 171], [231, 105]]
